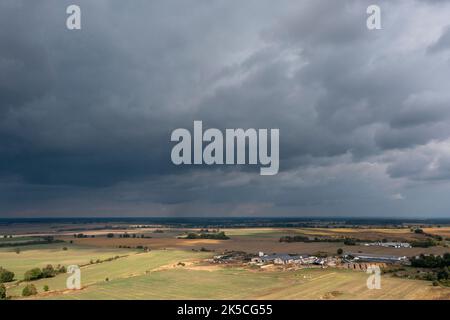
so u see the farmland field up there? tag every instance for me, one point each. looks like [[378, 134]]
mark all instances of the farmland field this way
[[230, 283], [158, 263], [444, 232], [126, 266], [159, 275], [254, 240], [42, 255], [360, 233]]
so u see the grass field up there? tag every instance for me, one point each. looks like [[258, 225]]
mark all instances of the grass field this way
[[42, 255], [17, 239], [235, 283], [134, 264], [175, 268], [157, 275]]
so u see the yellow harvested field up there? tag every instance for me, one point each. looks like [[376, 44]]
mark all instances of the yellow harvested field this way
[[179, 268], [236, 283], [254, 240], [444, 232]]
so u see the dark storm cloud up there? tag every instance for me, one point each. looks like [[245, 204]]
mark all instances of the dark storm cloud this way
[[443, 42], [86, 115], [87, 108]]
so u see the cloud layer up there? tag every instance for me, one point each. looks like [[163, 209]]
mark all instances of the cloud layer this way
[[86, 116]]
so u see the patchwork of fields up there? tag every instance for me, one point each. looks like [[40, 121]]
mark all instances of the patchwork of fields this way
[[235, 283], [175, 274], [243, 284], [113, 268], [254, 240]]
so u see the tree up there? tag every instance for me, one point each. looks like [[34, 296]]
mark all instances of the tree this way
[[2, 292], [423, 243], [444, 274], [61, 269], [294, 239], [48, 271], [349, 242], [6, 275], [46, 288], [49, 239], [29, 290], [340, 251], [33, 274]]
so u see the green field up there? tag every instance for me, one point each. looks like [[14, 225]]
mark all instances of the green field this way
[[183, 274], [17, 239], [130, 265], [244, 284], [42, 255], [157, 275]]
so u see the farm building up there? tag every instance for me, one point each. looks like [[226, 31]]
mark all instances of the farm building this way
[[273, 258], [284, 259], [365, 257], [232, 257], [397, 245]]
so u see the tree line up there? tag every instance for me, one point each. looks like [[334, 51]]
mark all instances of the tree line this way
[[216, 236]]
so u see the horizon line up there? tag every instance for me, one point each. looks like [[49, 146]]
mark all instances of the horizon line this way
[[225, 217]]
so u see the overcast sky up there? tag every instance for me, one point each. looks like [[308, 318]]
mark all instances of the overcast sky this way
[[86, 116]]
